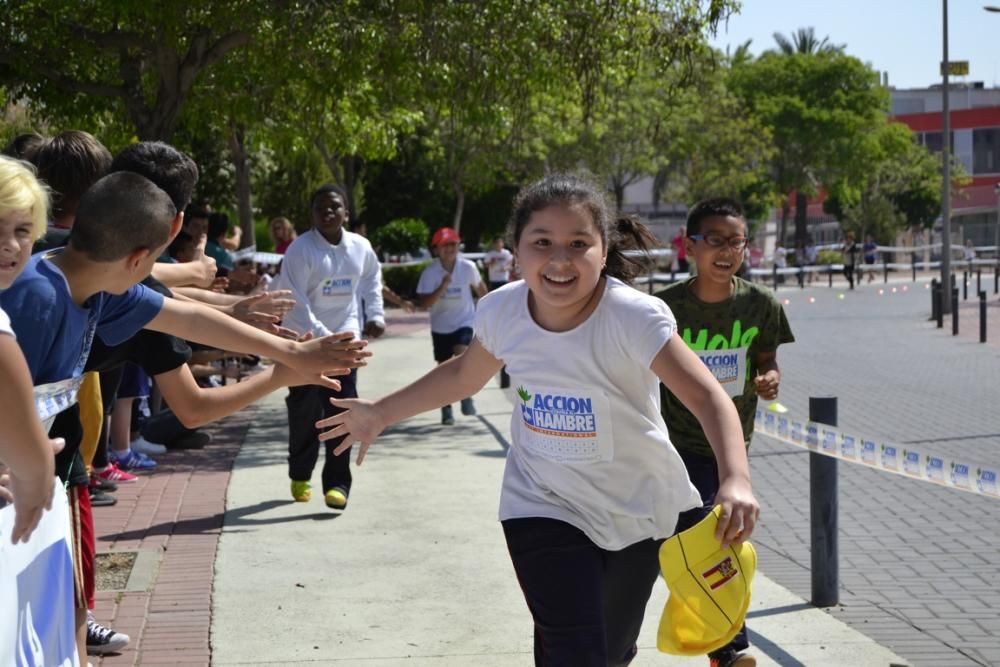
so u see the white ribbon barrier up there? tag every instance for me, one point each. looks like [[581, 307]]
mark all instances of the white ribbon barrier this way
[[909, 461], [36, 591]]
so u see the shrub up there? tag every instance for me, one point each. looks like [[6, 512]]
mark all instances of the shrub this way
[[402, 236]]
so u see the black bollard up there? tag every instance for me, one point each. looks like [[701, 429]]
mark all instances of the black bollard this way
[[982, 316], [936, 309], [979, 281], [829, 275], [954, 312], [802, 277], [885, 268], [823, 511], [774, 276], [996, 279], [913, 265], [965, 285]]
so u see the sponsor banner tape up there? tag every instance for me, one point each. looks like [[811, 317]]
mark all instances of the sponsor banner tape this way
[[906, 460]]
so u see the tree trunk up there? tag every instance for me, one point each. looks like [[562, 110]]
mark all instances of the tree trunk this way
[[238, 152], [801, 218], [331, 161], [459, 204], [618, 188], [351, 166], [786, 208]]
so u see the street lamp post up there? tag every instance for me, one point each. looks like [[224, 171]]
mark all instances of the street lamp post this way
[[946, 169]]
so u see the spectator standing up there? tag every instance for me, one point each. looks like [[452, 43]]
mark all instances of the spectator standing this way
[[282, 234], [499, 261], [869, 249], [849, 251]]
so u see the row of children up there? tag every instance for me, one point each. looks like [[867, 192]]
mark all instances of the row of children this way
[[93, 305]]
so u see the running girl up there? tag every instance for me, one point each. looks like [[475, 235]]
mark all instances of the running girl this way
[[592, 484]]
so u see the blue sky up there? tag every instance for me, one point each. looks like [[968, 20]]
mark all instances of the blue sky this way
[[902, 37]]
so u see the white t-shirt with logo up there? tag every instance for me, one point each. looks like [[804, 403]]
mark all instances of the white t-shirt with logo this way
[[498, 263], [456, 308], [328, 281], [589, 446]]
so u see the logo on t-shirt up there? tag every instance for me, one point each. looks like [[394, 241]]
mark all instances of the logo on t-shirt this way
[[337, 286], [558, 415]]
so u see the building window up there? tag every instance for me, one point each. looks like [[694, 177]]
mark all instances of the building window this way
[[932, 140], [986, 151]]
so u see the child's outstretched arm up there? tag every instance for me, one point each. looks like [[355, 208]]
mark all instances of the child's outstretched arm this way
[[768, 376], [688, 379], [335, 354], [362, 421]]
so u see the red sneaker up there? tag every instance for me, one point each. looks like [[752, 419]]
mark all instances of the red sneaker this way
[[115, 474]]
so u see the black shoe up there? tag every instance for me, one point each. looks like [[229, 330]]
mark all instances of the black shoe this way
[[101, 499], [468, 407], [98, 483], [504, 378], [102, 640], [446, 417]]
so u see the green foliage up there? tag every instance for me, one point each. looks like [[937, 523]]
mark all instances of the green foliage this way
[[401, 236], [403, 279]]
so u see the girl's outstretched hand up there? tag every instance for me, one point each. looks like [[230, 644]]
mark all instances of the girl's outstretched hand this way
[[360, 422], [739, 510]]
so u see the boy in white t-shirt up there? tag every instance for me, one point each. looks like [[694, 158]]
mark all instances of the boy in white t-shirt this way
[[446, 288], [499, 261]]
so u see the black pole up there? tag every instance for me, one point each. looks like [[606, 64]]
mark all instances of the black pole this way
[[823, 511], [936, 310], [965, 285], [829, 274], [885, 267], [802, 277], [982, 316], [954, 312], [979, 281], [996, 278], [774, 276], [913, 265]]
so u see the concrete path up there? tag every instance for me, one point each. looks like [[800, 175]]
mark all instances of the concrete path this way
[[416, 572]]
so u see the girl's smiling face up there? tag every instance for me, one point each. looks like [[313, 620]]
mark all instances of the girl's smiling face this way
[[16, 238], [561, 255]]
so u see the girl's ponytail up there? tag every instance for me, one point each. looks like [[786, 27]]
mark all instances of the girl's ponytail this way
[[629, 235]]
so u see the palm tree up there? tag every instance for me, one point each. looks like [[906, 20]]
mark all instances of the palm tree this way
[[804, 41]]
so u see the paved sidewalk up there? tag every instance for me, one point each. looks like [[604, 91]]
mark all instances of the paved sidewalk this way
[[414, 573]]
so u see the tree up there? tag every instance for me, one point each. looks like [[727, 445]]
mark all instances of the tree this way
[[139, 60], [816, 106]]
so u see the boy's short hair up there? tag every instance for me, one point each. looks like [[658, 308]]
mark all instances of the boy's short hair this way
[[218, 224], [171, 170], [716, 207], [329, 188], [119, 214], [195, 211], [21, 191], [69, 163], [24, 146]]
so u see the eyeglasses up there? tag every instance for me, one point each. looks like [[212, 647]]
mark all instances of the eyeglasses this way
[[718, 241]]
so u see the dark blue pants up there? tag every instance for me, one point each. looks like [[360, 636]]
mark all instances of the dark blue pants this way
[[307, 405], [587, 602], [704, 474]]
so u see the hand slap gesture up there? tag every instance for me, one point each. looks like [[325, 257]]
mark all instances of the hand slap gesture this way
[[360, 422]]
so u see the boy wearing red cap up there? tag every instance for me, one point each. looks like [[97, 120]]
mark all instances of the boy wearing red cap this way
[[446, 288]]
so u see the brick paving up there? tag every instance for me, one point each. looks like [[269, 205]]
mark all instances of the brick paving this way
[[919, 565]]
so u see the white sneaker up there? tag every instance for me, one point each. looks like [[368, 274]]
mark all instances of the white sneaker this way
[[146, 447]]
